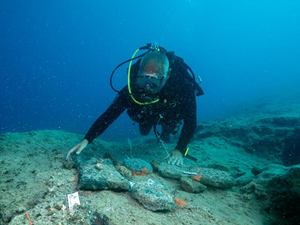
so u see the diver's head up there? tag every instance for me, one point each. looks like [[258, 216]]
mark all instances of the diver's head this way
[[154, 72]]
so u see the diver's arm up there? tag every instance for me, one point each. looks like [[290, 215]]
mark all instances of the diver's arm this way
[[188, 129], [100, 125], [108, 117], [190, 122]]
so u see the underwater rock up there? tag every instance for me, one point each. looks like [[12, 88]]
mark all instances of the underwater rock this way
[[170, 171], [273, 136], [244, 180], [80, 161], [99, 219], [192, 186], [256, 170], [153, 196], [68, 164], [111, 156], [137, 165], [218, 167], [209, 176], [155, 165], [124, 171], [102, 177], [216, 178], [280, 187]]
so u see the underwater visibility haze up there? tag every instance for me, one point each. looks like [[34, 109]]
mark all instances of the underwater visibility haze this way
[[57, 56], [240, 167]]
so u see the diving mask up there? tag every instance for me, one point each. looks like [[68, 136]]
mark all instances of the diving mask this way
[[154, 81]]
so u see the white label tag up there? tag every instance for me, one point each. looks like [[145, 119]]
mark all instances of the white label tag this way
[[72, 199]]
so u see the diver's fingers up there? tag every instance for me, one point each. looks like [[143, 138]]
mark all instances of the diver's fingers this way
[[173, 161], [80, 149], [168, 156], [179, 162], [68, 156], [170, 160], [71, 151], [82, 146]]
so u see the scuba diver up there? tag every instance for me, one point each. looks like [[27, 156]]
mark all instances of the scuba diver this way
[[160, 91]]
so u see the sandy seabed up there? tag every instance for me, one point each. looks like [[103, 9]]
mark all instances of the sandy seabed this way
[[35, 180]]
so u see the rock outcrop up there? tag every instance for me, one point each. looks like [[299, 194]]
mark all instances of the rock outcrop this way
[[279, 186], [265, 134]]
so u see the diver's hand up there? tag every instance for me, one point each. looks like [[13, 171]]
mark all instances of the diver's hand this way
[[176, 158], [77, 148]]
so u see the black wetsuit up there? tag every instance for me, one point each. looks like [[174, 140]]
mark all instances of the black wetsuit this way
[[177, 102]]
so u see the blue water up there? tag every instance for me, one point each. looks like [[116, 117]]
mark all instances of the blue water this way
[[56, 56]]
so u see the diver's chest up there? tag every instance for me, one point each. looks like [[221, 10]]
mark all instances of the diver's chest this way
[[165, 108]]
